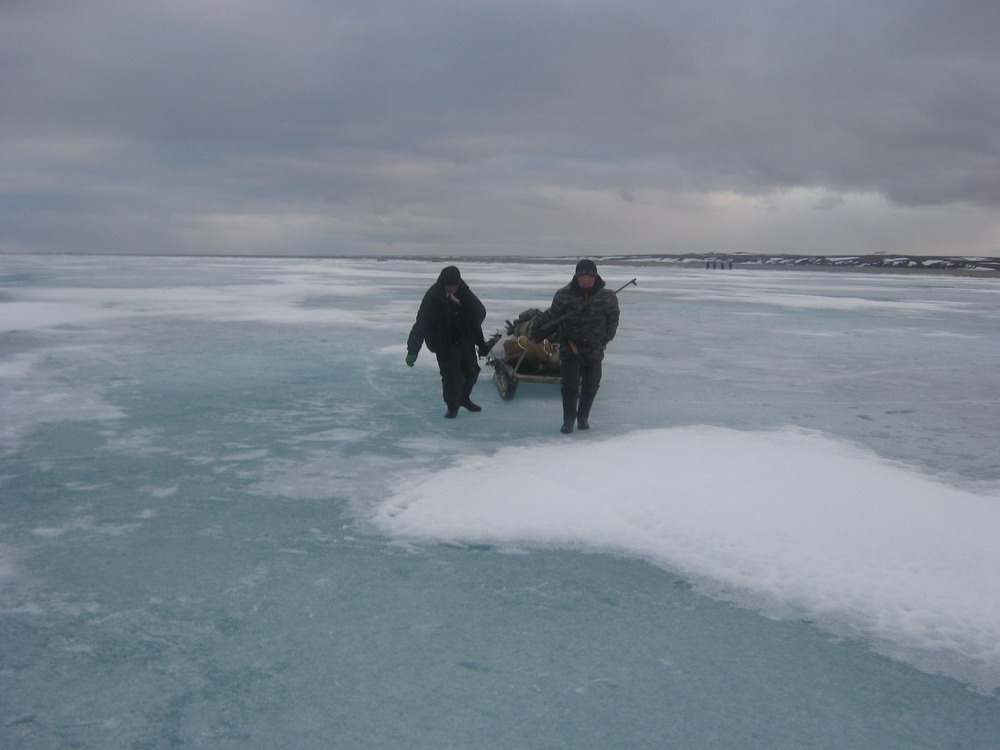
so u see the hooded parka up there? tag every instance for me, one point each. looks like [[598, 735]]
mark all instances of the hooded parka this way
[[441, 322], [452, 327]]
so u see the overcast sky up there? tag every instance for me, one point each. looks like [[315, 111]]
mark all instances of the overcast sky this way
[[553, 127]]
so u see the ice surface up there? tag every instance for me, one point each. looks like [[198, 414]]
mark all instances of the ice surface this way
[[234, 518], [790, 521]]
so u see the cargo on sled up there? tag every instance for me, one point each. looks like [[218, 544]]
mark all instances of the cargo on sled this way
[[518, 358], [515, 358]]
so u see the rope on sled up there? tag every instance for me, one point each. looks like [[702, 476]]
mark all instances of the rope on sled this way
[[525, 343]]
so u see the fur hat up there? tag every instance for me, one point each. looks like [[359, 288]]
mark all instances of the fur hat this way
[[586, 266]]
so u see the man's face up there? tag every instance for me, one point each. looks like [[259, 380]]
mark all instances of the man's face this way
[[451, 288], [585, 280]]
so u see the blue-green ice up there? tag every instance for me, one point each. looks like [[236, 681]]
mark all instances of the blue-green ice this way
[[233, 518]]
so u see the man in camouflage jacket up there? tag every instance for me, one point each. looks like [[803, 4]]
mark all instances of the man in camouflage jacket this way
[[586, 313]]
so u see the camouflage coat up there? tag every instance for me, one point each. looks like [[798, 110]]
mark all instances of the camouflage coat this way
[[592, 321]]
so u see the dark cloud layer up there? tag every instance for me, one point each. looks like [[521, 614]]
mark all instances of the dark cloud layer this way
[[300, 126]]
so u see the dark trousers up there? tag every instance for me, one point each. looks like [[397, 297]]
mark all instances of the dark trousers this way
[[581, 375], [459, 368]]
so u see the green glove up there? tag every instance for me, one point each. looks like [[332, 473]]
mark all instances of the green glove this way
[[410, 359]]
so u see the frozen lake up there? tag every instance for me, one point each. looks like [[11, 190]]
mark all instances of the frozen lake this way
[[233, 517]]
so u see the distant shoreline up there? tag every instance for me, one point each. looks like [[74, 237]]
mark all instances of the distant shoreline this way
[[976, 266], [980, 267]]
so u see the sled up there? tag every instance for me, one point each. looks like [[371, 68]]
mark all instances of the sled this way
[[516, 359]]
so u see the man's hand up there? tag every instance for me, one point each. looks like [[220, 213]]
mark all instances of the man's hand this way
[[411, 359]]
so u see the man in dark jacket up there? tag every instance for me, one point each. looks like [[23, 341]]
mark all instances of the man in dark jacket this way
[[587, 313], [450, 322]]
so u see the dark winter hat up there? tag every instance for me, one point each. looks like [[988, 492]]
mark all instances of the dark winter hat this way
[[586, 266], [450, 276]]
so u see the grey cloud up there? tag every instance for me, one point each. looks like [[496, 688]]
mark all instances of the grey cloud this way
[[391, 110]]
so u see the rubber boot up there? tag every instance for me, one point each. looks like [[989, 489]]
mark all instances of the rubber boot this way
[[569, 413], [583, 412]]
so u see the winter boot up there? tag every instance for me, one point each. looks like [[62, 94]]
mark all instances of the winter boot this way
[[569, 413], [466, 401], [583, 412]]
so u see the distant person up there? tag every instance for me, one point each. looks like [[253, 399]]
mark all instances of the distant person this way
[[586, 315], [450, 322]]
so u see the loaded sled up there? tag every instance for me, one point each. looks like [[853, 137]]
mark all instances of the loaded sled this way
[[515, 358]]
